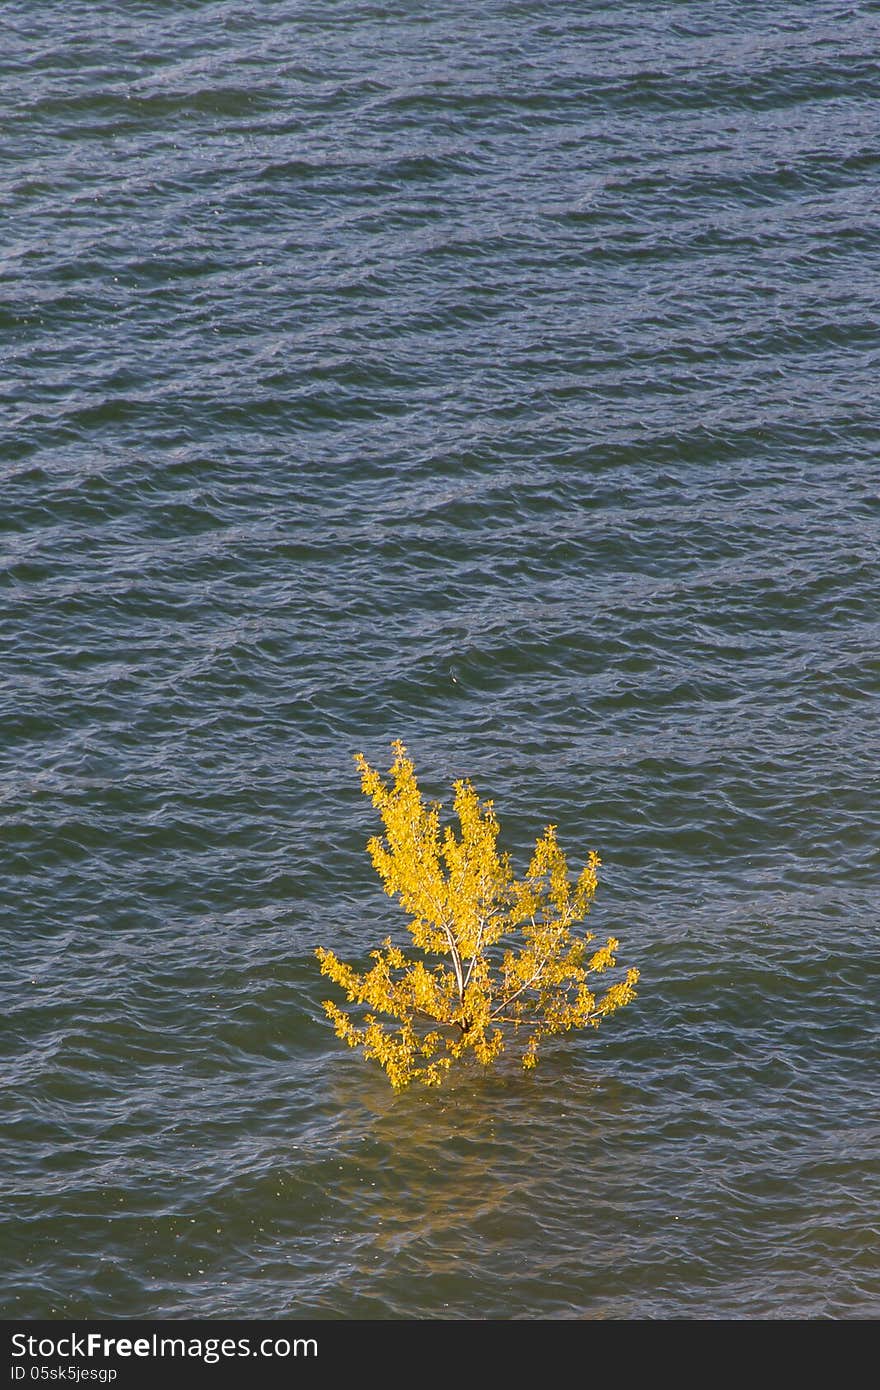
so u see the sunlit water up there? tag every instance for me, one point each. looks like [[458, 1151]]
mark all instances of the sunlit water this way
[[501, 378]]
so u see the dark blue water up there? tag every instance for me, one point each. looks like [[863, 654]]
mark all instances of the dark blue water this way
[[502, 379]]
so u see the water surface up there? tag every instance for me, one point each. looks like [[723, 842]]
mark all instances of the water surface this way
[[503, 380]]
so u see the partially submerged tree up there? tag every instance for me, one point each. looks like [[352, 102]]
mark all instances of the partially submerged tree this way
[[500, 959]]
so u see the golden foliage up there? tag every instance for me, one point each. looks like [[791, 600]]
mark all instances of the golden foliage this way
[[510, 965]]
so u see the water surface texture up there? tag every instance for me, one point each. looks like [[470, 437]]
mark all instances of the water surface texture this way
[[501, 378]]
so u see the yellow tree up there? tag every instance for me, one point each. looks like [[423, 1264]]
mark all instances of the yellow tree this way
[[499, 957]]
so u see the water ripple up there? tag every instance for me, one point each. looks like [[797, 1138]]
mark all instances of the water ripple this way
[[504, 381]]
